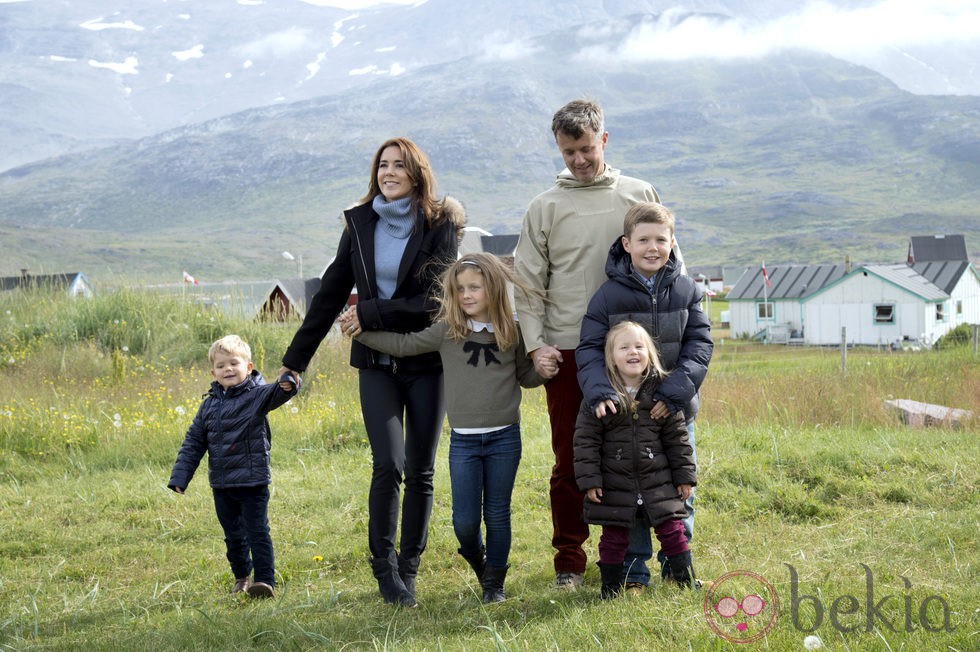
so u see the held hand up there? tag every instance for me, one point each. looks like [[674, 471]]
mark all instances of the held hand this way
[[546, 361], [286, 370], [684, 491], [659, 411], [179, 490], [349, 324], [606, 407], [594, 495]]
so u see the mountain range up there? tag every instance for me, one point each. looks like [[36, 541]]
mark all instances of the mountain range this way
[[794, 155]]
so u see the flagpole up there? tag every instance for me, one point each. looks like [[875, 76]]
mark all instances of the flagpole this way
[[765, 297], [765, 284]]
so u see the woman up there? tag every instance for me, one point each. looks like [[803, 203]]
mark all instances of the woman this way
[[395, 246]]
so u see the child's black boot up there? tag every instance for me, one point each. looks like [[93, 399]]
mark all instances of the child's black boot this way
[[681, 569], [493, 583], [612, 583], [477, 562]]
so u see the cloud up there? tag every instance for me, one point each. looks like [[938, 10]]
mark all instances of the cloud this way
[[277, 44], [361, 4], [817, 26], [496, 47]]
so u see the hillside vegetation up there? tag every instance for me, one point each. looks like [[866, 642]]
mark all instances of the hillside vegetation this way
[[793, 158], [804, 479]]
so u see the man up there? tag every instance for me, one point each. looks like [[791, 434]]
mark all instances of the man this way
[[562, 252]]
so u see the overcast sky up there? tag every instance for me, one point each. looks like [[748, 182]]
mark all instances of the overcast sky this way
[[845, 33], [360, 4]]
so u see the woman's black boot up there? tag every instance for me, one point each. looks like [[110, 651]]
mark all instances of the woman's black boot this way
[[390, 585], [407, 570]]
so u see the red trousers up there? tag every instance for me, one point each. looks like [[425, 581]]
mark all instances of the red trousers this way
[[570, 531]]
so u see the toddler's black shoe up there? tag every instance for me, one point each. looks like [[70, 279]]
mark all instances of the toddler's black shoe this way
[[261, 590]]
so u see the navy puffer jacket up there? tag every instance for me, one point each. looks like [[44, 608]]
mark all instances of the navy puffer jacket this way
[[636, 461], [232, 427], [673, 317]]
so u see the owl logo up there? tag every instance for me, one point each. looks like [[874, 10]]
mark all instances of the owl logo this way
[[741, 606]]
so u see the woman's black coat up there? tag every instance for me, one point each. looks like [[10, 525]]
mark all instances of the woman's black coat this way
[[430, 249]]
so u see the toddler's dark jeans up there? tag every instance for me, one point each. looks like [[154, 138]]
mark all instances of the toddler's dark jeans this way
[[244, 516]]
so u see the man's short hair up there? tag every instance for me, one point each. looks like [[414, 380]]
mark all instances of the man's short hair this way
[[577, 117], [647, 212]]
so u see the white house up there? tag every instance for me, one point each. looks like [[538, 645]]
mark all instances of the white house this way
[[775, 310], [935, 291], [877, 304]]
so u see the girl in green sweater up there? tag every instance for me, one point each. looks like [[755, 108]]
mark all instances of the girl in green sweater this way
[[485, 365]]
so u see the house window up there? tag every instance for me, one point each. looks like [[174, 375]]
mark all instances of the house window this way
[[765, 310], [940, 312], [959, 306], [884, 313]]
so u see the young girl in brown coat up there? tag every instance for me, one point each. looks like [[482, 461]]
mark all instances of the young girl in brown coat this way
[[631, 466]]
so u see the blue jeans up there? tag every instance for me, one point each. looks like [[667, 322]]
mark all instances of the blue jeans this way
[[482, 470], [244, 516], [641, 545]]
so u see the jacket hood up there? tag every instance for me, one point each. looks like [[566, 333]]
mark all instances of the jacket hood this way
[[451, 210], [619, 265], [568, 180]]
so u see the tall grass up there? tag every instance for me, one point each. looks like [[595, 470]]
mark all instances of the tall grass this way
[[799, 464]]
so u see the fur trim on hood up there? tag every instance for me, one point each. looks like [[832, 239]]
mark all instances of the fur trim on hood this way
[[452, 210]]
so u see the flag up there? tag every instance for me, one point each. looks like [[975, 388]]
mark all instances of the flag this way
[[765, 275], [190, 279]]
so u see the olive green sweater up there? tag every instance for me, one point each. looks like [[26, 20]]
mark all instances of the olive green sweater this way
[[483, 384]]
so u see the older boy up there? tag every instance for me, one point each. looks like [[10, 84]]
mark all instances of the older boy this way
[[232, 427], [646, 285]]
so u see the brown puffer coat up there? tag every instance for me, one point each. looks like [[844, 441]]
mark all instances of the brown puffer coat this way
[[638, 462]]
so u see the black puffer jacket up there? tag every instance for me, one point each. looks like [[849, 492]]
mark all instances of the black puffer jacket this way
[[636, 461], [672, 316], [232, 427], [430, 249]]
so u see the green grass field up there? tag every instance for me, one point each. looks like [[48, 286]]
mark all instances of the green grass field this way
[[863, 530]]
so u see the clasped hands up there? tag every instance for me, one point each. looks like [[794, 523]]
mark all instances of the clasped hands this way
[[349, 324], [594, 495]]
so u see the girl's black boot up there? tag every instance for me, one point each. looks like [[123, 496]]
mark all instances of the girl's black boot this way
[[493, 583], [612, 583], [681, 569], [477, 562]]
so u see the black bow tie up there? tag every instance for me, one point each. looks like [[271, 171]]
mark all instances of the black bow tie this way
[[474, 349]]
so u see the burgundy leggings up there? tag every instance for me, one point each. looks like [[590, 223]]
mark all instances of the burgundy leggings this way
[[615, 540]]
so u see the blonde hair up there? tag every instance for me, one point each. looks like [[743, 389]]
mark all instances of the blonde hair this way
[[655, 369], [230, 345], [647, 212], [497, 279]]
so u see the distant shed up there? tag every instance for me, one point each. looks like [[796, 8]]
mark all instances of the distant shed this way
[[74, 284]]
